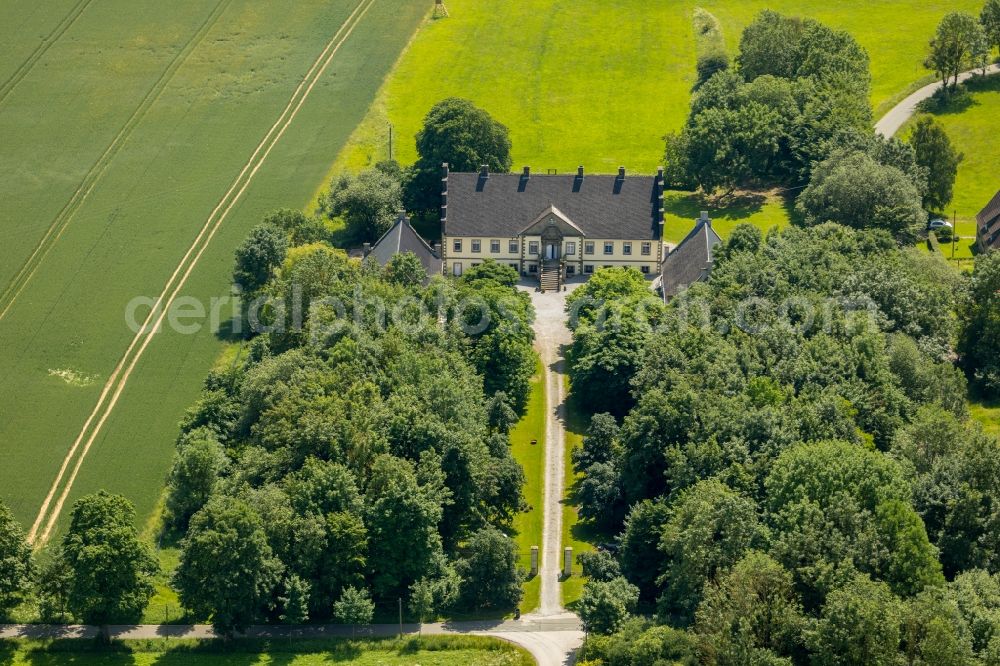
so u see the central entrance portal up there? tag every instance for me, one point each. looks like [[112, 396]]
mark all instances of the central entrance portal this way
[[551, 241]]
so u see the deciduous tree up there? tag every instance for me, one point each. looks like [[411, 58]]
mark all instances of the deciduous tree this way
[[258, 256], [227, 570], [457, 132], [490, 576], [112, 569], [854, 190], [959, 43], [935, 153], [354, 607], [606, 605], [368, 203], [15, 561]]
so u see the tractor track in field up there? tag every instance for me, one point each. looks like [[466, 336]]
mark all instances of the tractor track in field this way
[[49, 513], [97, 170], [29, 63]]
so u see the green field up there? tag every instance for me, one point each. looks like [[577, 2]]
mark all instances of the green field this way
[[427, 651], [122, 128], [527, 443], [599, 82]]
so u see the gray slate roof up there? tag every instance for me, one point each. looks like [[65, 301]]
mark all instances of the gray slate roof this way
[[503, 204], [990, 212], [691, 261], [402, 237]]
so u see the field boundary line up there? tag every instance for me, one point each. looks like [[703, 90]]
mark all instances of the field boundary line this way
[[103, 163], [118, 380], [29, 63]]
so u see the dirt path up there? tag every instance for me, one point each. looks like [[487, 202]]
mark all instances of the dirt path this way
[[46, 519], [890, 123]]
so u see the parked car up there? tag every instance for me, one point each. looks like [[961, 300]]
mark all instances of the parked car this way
[[941, 227]]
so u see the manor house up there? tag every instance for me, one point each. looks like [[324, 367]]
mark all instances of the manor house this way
[[552, 226]]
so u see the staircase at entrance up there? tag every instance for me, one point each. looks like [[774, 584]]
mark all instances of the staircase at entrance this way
[[550, 278]]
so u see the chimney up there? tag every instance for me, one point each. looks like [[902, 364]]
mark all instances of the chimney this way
[[705, 218], [659, 196], [366, 249], [484, 171], [444, 197], [434, 249], [527, 172], [621, 173]]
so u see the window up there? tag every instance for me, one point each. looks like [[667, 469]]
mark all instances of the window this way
[[513, 247], [588, 269], [647, 248], [626, 248], [456, 268], [514, 266], [477, 246], [588, 247], [570, 270], [474, 264], [570, 247], [644, 269], [606, 267], [495, 246], [533, 247], [457, 246], [609, 247], [532, 268]]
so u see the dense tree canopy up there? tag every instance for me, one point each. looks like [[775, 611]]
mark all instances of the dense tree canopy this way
[[796, 476], [360, 445], [799, 90], [981, 325]]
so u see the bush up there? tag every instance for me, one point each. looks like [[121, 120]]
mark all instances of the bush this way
[[711, 63]]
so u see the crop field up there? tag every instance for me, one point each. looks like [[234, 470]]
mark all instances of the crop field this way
[[599, 82], [141, 140]]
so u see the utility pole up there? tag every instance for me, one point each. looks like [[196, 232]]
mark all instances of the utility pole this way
[[954, 231], [400, 616], [390, 142]]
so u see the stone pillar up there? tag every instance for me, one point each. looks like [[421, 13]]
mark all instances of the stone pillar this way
[[567, 561], [534, 561]]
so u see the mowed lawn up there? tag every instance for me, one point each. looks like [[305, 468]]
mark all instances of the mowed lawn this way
[[599, 82], [527, 441], [427, 651], [973, 131], [183, 92]]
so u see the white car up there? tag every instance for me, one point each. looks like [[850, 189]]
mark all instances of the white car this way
[[933, 225]]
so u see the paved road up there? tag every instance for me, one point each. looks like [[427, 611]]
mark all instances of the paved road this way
[[551, 338], [551, 640], [899, 114]]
